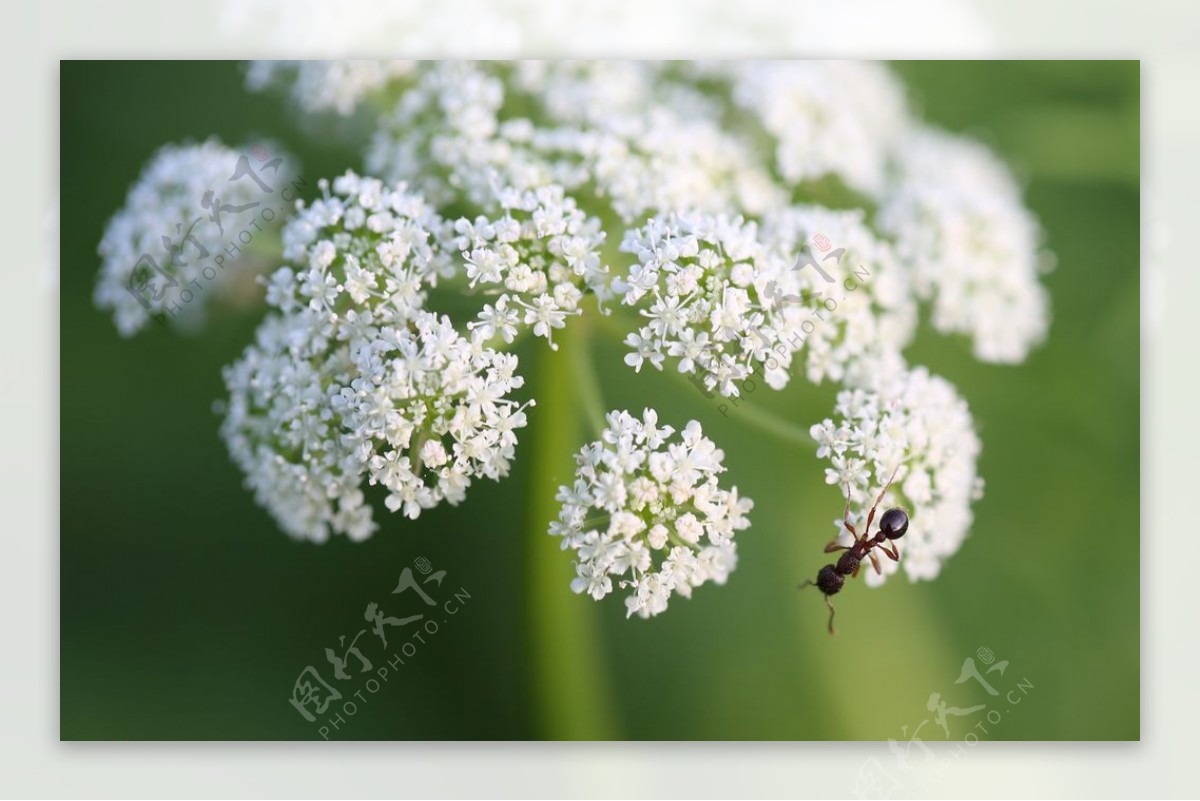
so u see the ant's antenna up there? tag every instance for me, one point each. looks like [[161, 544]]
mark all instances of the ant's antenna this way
[[846, 513], [888, 484], [879, 500]]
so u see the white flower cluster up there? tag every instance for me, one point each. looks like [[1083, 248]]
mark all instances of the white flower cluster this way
[[915, 424], [427, 411], [418, 409], [647, 141], [838, 118], [641, 140], [164, 237], [442, 137], [617, 129], [971, 245], [537, 256], [729, 302], [699, 272], [362, 254], [281, 431], [860, 312], [658, 516], [455, 29], [352, 380], [317, 86]]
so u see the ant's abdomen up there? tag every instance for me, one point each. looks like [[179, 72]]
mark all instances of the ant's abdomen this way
[[828, 580]]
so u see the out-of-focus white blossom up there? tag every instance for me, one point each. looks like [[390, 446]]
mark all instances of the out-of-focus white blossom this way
[[158, 246], [327, 85], [648, 139], [622, 130], [512, 28], [956, 214], [838, 118], [442, 137], [454, 29], [646, 512], [918, 423], [860, 313]]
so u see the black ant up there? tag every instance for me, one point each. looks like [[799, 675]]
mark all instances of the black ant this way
[[892, 525]]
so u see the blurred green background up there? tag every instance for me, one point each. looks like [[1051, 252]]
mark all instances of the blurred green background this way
[[186, 614]]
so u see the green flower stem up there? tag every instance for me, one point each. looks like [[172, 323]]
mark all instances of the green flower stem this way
[[767, 421], [585, 375], [571, 691], [740, 407]]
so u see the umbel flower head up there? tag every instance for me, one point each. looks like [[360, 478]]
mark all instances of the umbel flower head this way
[[362, 254], [728, 300], [321, 86], [646, 513], [838, 118], [739, 220], [622, 132], [354, 382], [972, 247], [281, 432], [414, 407], [167, 252], [539, 256], [916, 426]]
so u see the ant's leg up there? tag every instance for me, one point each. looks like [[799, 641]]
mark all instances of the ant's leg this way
[[829, 603], [855, 573], [833, 546], [879, 500], [807, 583], [875, 563], [892, 552]]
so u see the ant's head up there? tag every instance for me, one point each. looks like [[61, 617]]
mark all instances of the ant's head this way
[[893, 524]]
